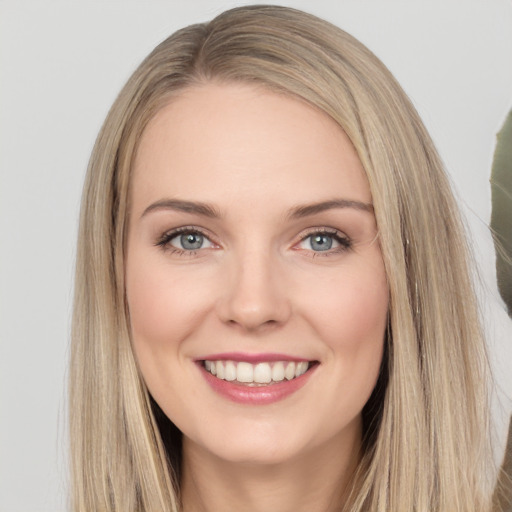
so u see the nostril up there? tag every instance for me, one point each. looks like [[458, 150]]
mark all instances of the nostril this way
[[253, 324]]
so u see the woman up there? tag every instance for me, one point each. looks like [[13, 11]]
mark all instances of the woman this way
[[273, 306]]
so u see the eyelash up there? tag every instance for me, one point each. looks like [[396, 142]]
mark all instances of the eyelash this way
[[345, 244], [164, 241]]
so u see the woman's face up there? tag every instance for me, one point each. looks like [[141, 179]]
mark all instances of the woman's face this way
[[253, 254]]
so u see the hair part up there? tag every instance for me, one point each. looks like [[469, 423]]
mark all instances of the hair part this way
[[426, 446]]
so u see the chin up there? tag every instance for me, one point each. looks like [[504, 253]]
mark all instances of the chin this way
[[253, 442], [249, 450]]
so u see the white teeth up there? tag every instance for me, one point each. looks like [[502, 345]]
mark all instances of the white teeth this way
[[278, 372], [289, 371], [301, 368], [220, 370], [261, 373], [244, 372], [230, 371]]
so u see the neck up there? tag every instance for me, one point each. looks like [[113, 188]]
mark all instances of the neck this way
[[315, 481]]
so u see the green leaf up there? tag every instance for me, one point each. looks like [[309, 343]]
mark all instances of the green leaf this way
[[501, 216]]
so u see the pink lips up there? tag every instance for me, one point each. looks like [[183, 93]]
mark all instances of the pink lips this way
[[257, 395]]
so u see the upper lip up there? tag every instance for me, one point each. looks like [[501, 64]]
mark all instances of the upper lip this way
[[251, 358]]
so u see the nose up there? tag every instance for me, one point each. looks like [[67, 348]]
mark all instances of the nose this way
[[254, 296]]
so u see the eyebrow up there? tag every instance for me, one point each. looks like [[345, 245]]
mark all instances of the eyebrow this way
[[312, 209], [297, 212], [198, 208]]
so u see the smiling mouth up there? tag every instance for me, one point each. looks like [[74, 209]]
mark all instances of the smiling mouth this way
[[255, 375]]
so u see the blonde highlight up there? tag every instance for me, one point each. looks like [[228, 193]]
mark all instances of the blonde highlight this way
[[433, 392]]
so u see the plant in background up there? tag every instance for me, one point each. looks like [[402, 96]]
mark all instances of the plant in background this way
[[501, 225]]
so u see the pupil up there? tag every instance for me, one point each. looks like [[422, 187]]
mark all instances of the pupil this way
[[191, 241], [321, 242]]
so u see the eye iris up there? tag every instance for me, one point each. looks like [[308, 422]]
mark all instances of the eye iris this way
[[321, 242], [191, 241]]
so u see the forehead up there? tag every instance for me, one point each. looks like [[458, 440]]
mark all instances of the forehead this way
[[223, 142]]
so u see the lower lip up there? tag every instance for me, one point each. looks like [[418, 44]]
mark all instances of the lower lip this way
[[257, 395]]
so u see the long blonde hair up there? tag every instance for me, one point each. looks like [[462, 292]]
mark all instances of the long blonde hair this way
[[426, 426]]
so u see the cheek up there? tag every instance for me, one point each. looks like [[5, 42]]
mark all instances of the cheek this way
[[350, 309], [350, 317], [351, 320], [151, 305], [164, 306]]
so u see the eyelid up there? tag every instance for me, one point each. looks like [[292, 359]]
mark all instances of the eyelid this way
[[321, 230], [163, 240], [344, 241]]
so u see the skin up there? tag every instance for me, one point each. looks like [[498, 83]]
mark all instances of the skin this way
[[257, 285]]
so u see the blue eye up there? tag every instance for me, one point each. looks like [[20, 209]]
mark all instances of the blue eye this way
[[321, 242], [184, 240], [327, 242], [189, 241]]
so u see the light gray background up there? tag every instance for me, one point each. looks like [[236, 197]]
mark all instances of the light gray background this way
[[61, 66]]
